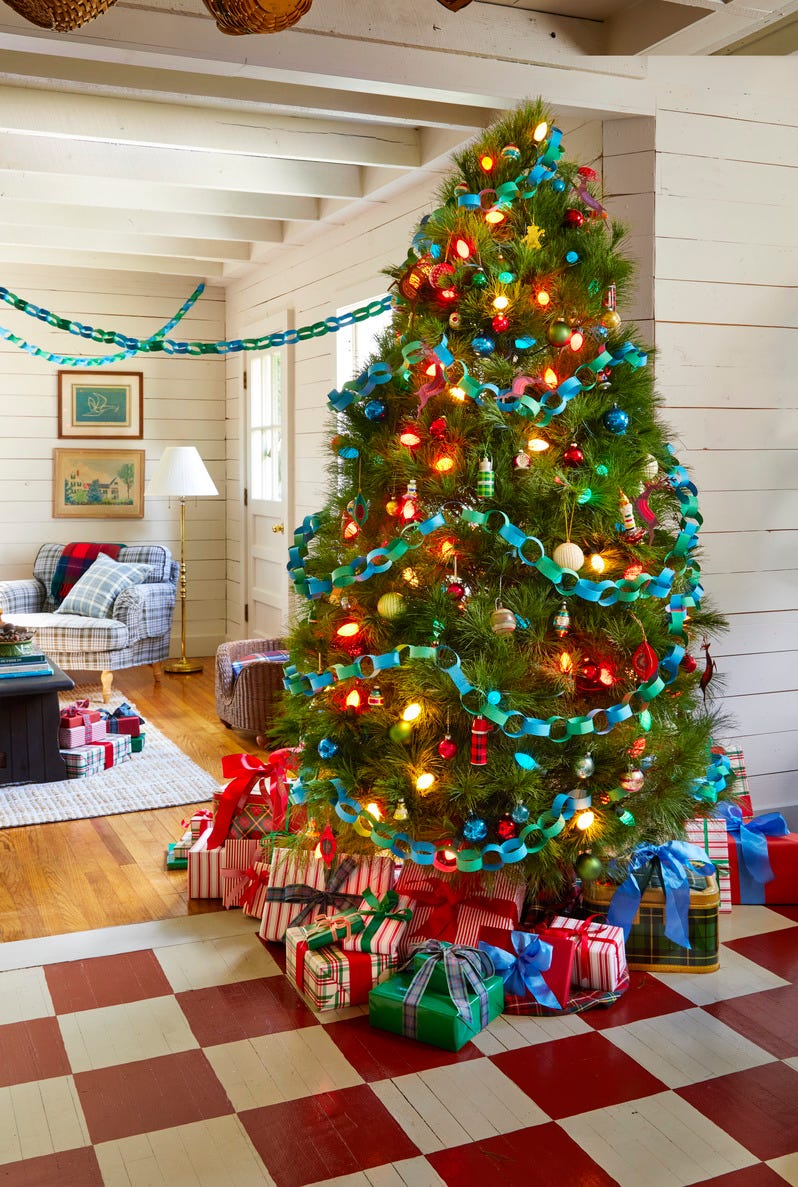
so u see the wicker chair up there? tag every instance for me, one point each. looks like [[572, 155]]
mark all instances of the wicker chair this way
[[247, 702]]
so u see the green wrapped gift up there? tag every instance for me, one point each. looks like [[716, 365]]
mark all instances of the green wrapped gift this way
[[178, 860], [137, 744], [421, 954], [473, 995]]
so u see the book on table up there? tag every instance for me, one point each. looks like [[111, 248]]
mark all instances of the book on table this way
[[24, 671], [30, 657]]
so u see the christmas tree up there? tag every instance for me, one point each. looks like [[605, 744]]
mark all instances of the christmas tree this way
[[490, 664]]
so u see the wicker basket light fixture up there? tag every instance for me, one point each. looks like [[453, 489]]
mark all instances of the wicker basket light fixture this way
[[232, 16]]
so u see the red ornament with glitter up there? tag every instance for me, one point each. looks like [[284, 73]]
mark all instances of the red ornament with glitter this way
[[480, 728], [447, 747], [506, 828]]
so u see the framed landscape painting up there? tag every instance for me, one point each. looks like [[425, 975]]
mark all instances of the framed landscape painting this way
[[98, 483], [95, 405]]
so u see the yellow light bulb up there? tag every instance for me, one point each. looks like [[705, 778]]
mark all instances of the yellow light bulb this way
[[353, 699], [538, 444], [550, 377], [348, 630], [410, 576], [425, 781], [597, 562], [457, 393], [494, 217], [431, 369], [443, 465], [543, 298], [374, 810], [566, 663], [540, 132], [412, 712], [501, 302], [585, 819]]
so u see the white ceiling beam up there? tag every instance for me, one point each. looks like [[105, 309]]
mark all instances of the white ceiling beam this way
[[161, 125], [155, 197], [113, 262], [139, 222], [238, 91], [206, 170], [722, 30], [121, 243], [646, 22]]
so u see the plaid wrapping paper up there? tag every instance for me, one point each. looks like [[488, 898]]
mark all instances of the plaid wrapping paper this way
[[254, 819], [712, 836], [236, 868], [301, 868], [253, 898], [583, 999], [204, 869], [454, 907], [90, 760], [599, 955], [648, 949], [331, 978]]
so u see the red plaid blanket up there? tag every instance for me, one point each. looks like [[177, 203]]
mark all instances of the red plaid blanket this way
[[73, 563]]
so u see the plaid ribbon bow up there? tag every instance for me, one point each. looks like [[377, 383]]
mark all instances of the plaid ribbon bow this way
[[312, 899], [463, 967]]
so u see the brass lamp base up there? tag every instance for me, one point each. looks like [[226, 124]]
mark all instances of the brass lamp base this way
[[182, 666]]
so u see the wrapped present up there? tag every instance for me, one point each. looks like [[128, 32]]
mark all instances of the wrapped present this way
[[137, 744], [763, 857], [740, 787], [237, 869], [710, 834], [599, 952], [79, 725], [329, 977], [535, 971], [198, 822], [253, 896], [409, 1005], [256, 800], [98, 756], [204, 869], [667, 908], [176, 858], [377, 925], [453, 907], [301, 888]]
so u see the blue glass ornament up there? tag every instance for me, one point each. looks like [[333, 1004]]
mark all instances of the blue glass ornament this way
[[520, 814], [616, 420], [348, 452], [572, 257], [524, 343], [558, 185], [602, 470], [475, 829], [494, 697], [505, 277], [375, 410], [327, 748], [483, 346], [511, 152]]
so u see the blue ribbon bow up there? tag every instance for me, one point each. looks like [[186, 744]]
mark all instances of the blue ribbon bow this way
[[672, 858], [523, 973], [463, 967], [751, 837]]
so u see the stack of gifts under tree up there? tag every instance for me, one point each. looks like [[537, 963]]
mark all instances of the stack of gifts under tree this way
[[90, 743]]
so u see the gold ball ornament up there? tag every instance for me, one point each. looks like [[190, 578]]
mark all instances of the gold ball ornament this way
[[610, 319], [651, 468], [569, 556], [502, 621], [391, 605]]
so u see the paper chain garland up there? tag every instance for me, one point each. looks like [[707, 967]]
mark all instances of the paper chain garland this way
[[159, 343]]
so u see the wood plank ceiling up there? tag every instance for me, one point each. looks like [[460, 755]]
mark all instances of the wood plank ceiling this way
[[149, 141]]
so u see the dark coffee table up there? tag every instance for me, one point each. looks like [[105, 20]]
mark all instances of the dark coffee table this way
[[29, 719]]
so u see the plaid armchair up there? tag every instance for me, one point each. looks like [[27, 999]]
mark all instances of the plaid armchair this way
[[138, 631]]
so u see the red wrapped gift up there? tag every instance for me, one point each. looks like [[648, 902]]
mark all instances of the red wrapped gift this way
[[255, 802], [763, 857], [558, 976], [600, 952], [237, 869], [454, 906], [80, 725]]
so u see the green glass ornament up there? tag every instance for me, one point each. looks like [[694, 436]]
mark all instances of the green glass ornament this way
[[479, 279], [587, 867], [559, 333]]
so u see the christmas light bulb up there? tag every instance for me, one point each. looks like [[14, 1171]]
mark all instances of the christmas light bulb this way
[[410, 438], [550, 377], [538, 444], [431, 369], [351, 530], [632, 571], [606, 677], [542, 298], [317, 853], [487, 162], [577, 340], [447, 549], [457, 393], [374, 810], [585, 819], [444, 464], [462, 248], [540, 132], [425, 781], [597, 562], [501, 302], [495, 216], [409, 509], [348, 630], [410, 576], [412, 712], [566, 663], [448, 294], [353, 699]]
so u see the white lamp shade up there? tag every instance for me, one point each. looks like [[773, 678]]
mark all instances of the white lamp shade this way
[[181, 472]]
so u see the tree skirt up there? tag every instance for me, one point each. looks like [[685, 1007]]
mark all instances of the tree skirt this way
[[158, 777]]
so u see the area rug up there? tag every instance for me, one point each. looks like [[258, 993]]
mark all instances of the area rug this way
[[160, 776]]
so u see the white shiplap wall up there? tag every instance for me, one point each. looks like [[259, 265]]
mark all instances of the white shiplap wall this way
[[184, 403]]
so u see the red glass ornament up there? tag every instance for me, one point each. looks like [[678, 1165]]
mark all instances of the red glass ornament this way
[[437, 429], [447, 748], [645, 661], [588, 173], [573, 218], [500, 323], [327, 846], [506, 829], [455, 590], [573, 456], [689, 662], [440, 276]]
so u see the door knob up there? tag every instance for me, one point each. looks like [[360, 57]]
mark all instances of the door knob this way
[[278, 527]]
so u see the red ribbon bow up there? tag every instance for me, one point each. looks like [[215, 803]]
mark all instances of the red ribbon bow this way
[[446, 901], [243, 771]]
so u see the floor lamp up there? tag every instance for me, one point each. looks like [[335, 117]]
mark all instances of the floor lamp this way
[[181, 474]]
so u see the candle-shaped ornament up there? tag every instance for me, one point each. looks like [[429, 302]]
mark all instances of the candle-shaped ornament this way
[[486, 479], [627, 513], [562, 621], [609, 297], [480, 728]]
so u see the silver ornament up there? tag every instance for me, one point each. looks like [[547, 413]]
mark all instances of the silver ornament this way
[[502, 621], [584, 767]]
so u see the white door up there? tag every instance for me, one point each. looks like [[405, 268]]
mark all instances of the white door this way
[[269, 527]]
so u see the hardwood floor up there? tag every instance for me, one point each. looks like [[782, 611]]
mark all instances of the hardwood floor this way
[[80, 874]]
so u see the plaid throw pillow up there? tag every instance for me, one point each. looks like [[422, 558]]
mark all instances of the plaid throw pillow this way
[[94, 594]]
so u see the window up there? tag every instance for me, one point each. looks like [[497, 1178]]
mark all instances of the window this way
[[265, 426], [356, 343]]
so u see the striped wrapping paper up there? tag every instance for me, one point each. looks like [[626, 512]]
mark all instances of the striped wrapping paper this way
[[600, 959], [711, 835], [289, 867], [70, 736], [391, 938], [90, 760], [204, 867], [202, 819], [255, 904], [238, 855], [330, 978], [740, 787], [492, 900]]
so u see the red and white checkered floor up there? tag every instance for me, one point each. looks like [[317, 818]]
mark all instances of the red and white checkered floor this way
[[176, 1053]]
